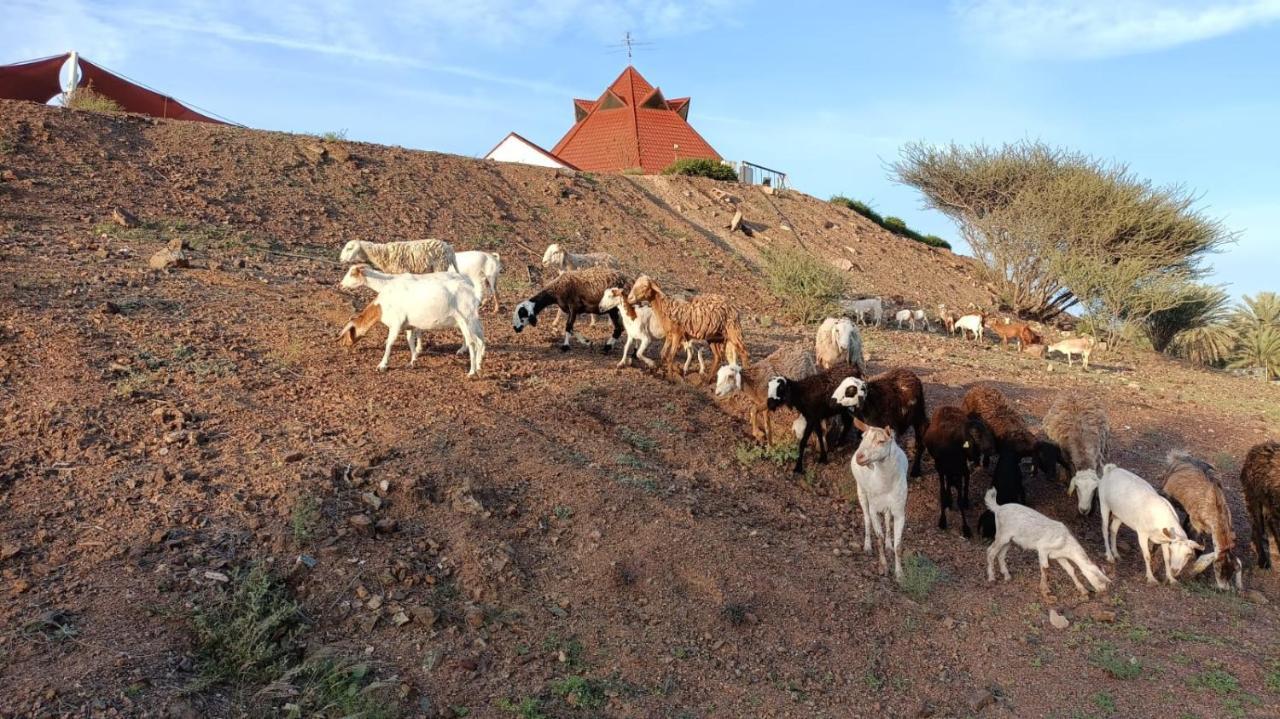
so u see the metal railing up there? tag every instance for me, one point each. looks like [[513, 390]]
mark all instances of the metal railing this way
[[750, 173]]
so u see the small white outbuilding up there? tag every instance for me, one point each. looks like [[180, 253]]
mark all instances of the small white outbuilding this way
[[515, 148]]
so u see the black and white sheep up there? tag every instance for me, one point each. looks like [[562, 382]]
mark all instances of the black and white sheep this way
[[890, 399], [814, 398], [575, 292]]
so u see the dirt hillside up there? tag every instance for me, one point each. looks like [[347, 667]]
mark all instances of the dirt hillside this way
[[558, 537]]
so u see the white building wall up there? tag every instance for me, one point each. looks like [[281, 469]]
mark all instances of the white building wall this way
[[513, 149]]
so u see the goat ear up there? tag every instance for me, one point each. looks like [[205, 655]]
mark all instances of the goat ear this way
[[1167, 533], [1202, 563], [862, 426]]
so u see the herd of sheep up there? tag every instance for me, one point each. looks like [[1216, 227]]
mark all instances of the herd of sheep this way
[[423, 286]]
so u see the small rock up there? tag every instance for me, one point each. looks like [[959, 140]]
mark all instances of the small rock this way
[[110, 308], [980, 699], [360, 521], [21, 586], [9, 551], [375, 602], [217, 577], [468, 665], [313, 152], [293, 457], [426, 616], [1057, 620], [123, 217], [338, 151], [167, 258], [308, 561], [475, 617], [736, 222], [387, 525], [372, 500], [400, 619], [1253, 596]]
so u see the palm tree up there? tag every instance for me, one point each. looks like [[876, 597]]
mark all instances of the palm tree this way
[[1196, 328], [1260, 348]]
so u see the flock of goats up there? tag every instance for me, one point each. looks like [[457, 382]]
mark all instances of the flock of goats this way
[[423, 285]]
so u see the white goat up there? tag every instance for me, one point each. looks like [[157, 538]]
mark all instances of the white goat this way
[[880, 470], [1050, 539], [642, 328], [421, 302], [872, 307], [483, 269], [1125, 498], [922, 318], [905, 317], [971, 323], [838, 341], [1082, 346]]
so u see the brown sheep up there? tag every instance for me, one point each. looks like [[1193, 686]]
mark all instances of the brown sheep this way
[[1260, 478], [1079, 426], [575, 292], [713, 318], [1192, 485], [989, 405]]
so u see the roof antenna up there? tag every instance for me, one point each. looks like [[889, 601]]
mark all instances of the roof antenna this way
[[628, 44]]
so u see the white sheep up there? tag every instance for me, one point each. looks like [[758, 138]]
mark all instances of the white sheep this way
[[1019, 524], [838, 341], [922, 318], [905, 317], [642, 328], [415, 256], [971, 323], [557, 257], [872, 307], [1127, 499], [483, 268], [416, 303], [880, 471]]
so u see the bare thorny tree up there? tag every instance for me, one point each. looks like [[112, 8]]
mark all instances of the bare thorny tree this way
[[1056, 229]]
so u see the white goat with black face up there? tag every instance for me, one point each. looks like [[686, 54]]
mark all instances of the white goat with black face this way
[[1124, 498], [880, 470]]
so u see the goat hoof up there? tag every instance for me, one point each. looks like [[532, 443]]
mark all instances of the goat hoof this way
[[382, 368]]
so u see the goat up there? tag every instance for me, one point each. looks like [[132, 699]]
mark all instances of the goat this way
[[890, 399], [1127, 499], [1009, 429], [905, 317], [879, 469], [483, 269], [953, 439], [813, 398], [713, 318], [872, 307], [838, 341], [642, 328], [416, 303], [971, 323], [948, 319], [1018, 524], [1020, 332], [418, 257], [922, 318], [793, 361], [1260, 477], [1070, 347], [1078, 424], [574, 292], [556, 257], [1192, 484]]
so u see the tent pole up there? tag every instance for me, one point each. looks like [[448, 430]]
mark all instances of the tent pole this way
[[75, 73]]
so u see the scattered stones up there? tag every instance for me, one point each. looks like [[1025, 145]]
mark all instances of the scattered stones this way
[[123, 217], [1057, 620], [980, 699]]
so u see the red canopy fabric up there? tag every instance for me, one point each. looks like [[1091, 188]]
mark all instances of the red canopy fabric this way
[[136, 98], [36, 81]]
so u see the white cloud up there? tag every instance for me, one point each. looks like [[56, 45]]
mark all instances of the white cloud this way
[[1103, 28]]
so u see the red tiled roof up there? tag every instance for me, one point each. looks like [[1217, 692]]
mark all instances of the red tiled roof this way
[[628, 135]]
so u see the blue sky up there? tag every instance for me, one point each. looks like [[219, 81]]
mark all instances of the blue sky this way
[[1184, 91]]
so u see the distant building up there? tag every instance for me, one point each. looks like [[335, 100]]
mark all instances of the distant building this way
[[630, 127], [515, 148]]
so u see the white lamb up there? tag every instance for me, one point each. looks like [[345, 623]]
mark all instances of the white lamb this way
[[838, 341], [422, 302], [483, 269], [562, 260], [872, 307], [415, 256], [1050, 539], [905, 317], [642, 328], [880, 470], [1125, 498], [971, 323]]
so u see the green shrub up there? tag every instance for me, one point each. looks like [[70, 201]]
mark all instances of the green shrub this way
[[808, 286], [919, 574], [86, 98], [1107, 657], [702, 167], [896, 225]]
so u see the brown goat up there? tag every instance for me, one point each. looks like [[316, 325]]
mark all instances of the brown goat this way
[[713, 318], [1260, 478], [1192, 484], [988, 404]]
